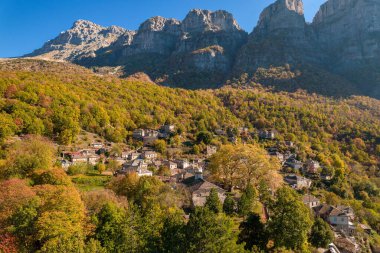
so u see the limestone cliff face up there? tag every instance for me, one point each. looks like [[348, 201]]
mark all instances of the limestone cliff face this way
[[280, 37], [349, 29], [156, 35], [204, 21], [208, 42], [82, 40], [282, 15]]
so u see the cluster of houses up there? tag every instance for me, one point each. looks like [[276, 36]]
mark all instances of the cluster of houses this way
[[139, 162], [91, 155], [245, 134], [341, 219], [149, 136]]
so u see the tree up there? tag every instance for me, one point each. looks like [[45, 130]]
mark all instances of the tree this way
[[125, 185], [205, 137], [210, 232], [290, 220], [321, 235], [246, 201], [100, 167], [94, 246], [26, 156], [55, 176], [15, 193], [241, 165], [112, 165], [253, 233], [173, 233], [160, 146], [23, 223], [229, 205], [212, 201], [164, 171], [110, 220]]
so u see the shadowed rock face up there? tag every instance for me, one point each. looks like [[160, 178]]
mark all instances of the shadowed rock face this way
[[207, 48], [349, 29], [349, 32], [280, 37]]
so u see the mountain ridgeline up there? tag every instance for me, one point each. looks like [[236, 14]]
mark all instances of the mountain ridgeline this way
[[338, 54]]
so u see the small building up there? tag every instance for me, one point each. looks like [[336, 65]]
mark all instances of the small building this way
[[77, 158], [144, 172], [220, 132], [310, 201], [149, 155], [138, 134], [277, 155], [171, 165], [294, 163], [210, 150], [133, 156], [183, 163], [267, 134], [97, 145], [92, 159], [119, 161], [298, 182], [200, 189], [168, 128], [312, 166], [340, 217]]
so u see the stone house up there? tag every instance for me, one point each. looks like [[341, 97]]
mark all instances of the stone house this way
[[340, 217], [312, 166], [298, 182], [149, 155], [200, 189], [267, 134], [310, 201]]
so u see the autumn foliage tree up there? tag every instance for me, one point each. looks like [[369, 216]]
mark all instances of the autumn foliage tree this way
[[241, 165]]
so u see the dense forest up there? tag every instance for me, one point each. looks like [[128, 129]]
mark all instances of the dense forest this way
[[51, 103]]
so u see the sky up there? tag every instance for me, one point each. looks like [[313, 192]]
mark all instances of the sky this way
[[26, 24]]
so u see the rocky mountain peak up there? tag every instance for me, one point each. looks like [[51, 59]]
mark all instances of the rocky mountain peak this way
[[159, 23], [81, 24], [283, 14], [203, 20], [82, 39]]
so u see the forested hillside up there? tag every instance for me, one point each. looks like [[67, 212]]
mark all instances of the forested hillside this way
[[59, 101]]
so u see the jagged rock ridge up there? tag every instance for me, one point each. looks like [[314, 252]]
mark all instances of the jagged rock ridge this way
[[82, 40], [341, 47]]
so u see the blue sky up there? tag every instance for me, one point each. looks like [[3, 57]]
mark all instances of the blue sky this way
[[26, 24]]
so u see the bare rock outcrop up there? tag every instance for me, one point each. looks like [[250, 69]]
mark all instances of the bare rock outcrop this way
[[82, 40]]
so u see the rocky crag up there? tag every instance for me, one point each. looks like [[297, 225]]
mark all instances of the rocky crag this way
[[339, 52]]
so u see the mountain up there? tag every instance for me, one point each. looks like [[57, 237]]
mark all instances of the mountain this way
[[338, 54], [83, 39]]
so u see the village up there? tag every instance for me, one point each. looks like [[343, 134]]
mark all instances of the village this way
[[192, 173]]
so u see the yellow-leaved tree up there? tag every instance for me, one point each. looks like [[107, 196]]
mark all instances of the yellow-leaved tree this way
[[241, 165]]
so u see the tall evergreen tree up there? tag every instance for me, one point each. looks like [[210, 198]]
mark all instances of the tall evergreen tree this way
[[210, 232], [290, 221], [229, 205], [213, 202], [321, 234], [246, 201], [253, 233]]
